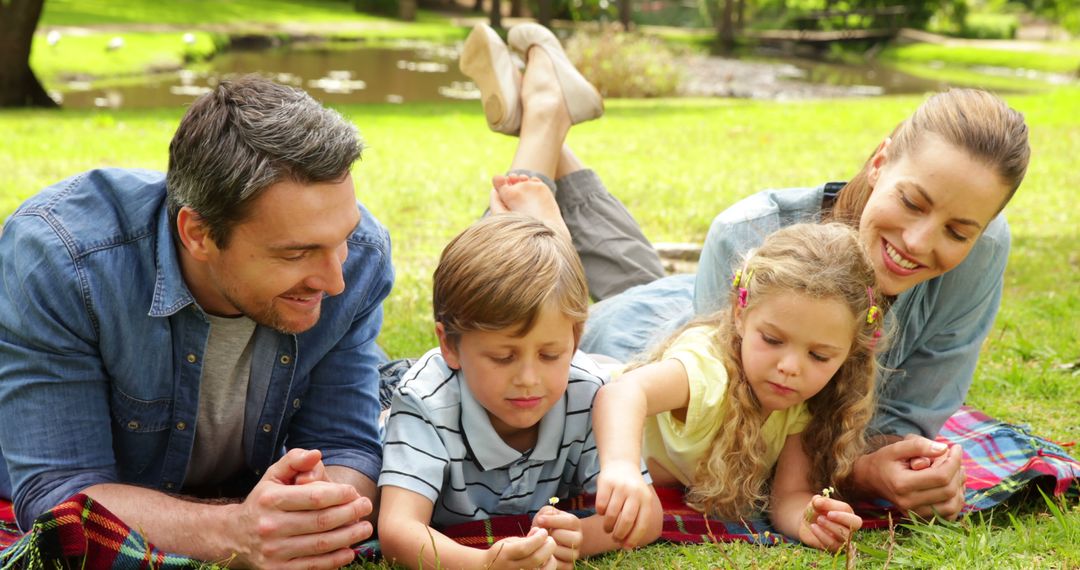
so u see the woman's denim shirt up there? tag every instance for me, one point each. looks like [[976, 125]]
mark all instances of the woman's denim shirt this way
[[938, 326], [102, 343]]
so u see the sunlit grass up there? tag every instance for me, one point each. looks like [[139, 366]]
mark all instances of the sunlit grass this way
[[152, 32], [199, 12], [1056, 57]]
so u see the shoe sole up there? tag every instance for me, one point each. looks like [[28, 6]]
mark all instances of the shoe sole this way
[[478, 62]]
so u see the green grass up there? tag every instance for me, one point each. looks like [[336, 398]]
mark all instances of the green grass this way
[[676, 163], [152, 32], [1056, 57], [199, 12], [88, 55]]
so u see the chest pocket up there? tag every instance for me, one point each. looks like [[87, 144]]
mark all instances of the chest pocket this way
[[140, 434]]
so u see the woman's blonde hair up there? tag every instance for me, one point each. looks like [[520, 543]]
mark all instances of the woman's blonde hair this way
[[501, 271], [972, 120], [820, 261]]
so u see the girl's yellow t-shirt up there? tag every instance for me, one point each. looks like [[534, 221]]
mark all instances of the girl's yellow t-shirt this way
[[679, 445]]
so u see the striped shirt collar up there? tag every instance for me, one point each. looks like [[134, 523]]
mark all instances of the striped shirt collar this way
[[490, 451]]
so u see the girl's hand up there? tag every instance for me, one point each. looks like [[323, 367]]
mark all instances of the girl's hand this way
[[533, 550], [625, 501], [565, 528], [828, 523]]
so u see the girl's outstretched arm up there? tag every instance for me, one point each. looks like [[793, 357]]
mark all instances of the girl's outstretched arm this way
[[797, 509], [627, 503]]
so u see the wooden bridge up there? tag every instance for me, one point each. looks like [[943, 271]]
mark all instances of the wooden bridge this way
[[828, 26]]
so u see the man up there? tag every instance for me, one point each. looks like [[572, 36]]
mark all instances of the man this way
[[164, 339]]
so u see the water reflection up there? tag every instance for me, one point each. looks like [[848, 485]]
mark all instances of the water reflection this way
[[409, 72], [422, 72]]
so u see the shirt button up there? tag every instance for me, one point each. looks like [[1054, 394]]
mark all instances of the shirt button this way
[[296, 404], [267, 428], [258, 471], [285, 359], [169, 485], [181, 426], [133, 425], [192, 358]]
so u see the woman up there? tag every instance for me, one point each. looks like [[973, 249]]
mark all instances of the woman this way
[[926, 206]]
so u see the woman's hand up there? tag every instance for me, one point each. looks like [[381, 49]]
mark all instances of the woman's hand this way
[[828, 523], [915, 474]]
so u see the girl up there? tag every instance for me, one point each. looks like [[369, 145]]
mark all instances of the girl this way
[[926, 206], [785, 377]]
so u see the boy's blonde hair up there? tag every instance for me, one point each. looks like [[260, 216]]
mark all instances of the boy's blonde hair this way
[[501, 271], [821, 261]]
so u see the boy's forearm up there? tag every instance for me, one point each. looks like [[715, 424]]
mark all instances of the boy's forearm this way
[[413, 544], [595, 540]]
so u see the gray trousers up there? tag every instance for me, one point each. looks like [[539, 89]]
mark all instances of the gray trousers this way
[[613, 250]]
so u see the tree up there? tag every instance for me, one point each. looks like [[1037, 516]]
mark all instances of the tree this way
[[624, 14], [19, 87], [722, 13]]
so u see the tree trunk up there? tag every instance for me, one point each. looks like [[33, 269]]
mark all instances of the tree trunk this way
[[19, 87], [740, 16], [496, 14], [517, 8], [725, 26], [407, 10], [544, 15], [624, 14], [478, 6]]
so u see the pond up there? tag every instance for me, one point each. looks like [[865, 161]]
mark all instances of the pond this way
[[424, 72]]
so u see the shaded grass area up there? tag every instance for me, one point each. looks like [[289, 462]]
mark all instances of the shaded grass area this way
[[676, 163]]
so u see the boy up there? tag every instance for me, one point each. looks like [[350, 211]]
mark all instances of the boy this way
[[497, 420]]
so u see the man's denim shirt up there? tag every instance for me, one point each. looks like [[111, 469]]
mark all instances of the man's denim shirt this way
[[101, 350]]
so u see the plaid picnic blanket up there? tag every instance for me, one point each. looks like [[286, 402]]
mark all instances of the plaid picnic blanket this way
[[999, 459]]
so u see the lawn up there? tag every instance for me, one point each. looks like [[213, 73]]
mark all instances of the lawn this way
[[676, 163], [153, 32], [1053, 57]]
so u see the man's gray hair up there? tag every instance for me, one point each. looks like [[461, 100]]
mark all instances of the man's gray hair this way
[[246, 135]]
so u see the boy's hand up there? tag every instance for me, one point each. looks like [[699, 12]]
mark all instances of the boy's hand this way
[[625, 501], [828, 523], [565, 528], [534, 550]]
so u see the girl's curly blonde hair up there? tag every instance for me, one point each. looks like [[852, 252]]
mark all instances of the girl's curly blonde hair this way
[[820, 261]]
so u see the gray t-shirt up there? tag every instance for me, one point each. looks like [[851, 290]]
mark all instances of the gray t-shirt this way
[[219, 430]]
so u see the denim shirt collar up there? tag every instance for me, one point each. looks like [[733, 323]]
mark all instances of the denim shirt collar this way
[[488, 447], [170, 291]]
